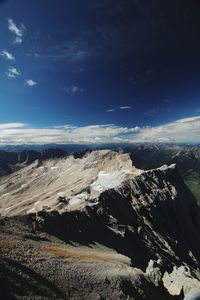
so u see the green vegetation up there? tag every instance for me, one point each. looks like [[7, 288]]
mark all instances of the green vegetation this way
[[193, 183]]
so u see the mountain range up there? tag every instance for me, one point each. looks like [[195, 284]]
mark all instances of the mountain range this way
[[144, 156]]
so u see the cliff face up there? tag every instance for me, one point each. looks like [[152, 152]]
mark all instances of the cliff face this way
[[148, 216]]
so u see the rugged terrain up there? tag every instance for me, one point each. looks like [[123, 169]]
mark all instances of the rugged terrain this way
[[109, 231], [144, 156]]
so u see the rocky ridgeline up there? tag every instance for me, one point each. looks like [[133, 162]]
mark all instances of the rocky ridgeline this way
[[148, 216]]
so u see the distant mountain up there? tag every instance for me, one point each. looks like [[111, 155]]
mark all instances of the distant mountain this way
[[38, 147], [10, 161]]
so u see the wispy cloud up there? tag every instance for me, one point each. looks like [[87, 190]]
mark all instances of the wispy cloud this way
[[118, 108], [185, 130], [132, 81], [12, 73], [17, 30], [30, 82], [7, 55], [73, 90], [79, 69], [18, 40], [125, 107], [155, 111], [71, 51], [111, 110]]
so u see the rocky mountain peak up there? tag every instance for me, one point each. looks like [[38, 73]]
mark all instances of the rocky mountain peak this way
[[147, 215]]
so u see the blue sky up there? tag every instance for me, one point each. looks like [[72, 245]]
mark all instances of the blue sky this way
[[99, 71]]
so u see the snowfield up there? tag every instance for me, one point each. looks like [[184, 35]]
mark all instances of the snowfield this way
[[109, 180]]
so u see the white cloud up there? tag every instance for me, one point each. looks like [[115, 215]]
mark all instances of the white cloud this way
[[120, 107], [12, 73], [30, 82], [64, 134], [13, 28], [125, 107], [18, 40], [71, 51], [155, 111], [7, 55], [17, 30], [73, 90], [185, 130], [111, 110]]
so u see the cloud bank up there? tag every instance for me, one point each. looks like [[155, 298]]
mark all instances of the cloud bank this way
[[185, 130]]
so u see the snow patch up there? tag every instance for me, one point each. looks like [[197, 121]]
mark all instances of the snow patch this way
[[109, 180]]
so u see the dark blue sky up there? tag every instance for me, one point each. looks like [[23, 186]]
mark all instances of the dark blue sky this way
[[128, 63]]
